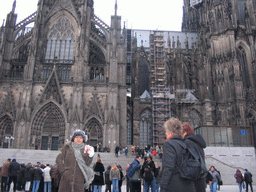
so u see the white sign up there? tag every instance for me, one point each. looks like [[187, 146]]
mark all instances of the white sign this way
[[195, 2]]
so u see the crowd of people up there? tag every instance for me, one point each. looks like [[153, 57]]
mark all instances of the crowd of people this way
[[73, 172], [30, 177]]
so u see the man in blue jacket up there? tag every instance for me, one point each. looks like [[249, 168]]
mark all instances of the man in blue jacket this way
[[133, 174]]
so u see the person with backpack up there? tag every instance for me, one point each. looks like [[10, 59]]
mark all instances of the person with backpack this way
[[108, 182], [149, 173], [172, 159], [248, 180], [239, 179], [126, 151], [219, 180], [215, 178], [133, 174], [196, 142], [98, 180]]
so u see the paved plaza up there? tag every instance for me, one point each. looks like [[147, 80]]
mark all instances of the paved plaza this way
[[223, 188]]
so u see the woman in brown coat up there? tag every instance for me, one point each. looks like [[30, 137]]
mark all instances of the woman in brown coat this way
[[73, 163]]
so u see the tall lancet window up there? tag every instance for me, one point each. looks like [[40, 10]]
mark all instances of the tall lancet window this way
[[146, 128], [241, 55], [61, 41]]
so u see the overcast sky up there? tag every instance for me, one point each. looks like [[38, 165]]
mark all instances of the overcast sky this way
[[137, 14]]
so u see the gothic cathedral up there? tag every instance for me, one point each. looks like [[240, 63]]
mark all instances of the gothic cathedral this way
[[63, 68], [64, 73]]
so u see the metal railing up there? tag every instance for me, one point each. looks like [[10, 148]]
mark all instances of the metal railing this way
[[226, 136]]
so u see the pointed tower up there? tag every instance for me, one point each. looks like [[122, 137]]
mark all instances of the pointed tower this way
[[8, 41]]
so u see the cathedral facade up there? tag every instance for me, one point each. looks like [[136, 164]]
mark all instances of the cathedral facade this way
[[71, 70], [66, 72]]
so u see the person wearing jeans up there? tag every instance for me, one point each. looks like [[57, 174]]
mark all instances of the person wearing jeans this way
[[151, 184], [239, 179], [35, 185], [115, 177], [215, 178], [37, 176], [47, 178], [115, 184], [98, 180]]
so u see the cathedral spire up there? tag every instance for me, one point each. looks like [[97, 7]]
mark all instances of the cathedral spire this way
[[116, 8], [14, 6]]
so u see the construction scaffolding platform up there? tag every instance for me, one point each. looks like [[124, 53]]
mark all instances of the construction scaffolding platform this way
[[161, 112], [161, 94]]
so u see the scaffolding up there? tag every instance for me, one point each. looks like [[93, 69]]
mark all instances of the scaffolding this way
[[161, 94]]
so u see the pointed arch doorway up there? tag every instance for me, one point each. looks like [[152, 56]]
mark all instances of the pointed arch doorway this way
[[93, 129], [48, 128], [6, 131]]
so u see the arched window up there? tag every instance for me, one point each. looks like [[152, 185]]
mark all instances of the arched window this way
[[243, 67], [143, 77], [61, 41], [97, 62], [6, 126], [97, 73], [146, 129]]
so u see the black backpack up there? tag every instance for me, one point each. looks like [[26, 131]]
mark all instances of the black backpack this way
[[148, 175], [192, 166]]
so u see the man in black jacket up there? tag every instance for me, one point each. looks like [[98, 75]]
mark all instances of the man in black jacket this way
[[149, 174], [248, 179], [13, 174]]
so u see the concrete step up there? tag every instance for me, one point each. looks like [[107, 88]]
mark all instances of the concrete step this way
[[44, 156]]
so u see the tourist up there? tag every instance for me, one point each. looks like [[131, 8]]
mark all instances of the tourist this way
[[158, 177], [20, 178], [133, 174], [127, 179], [116, 151], [108, 182], [47, 178], [148, 173], [215, 178], [55, 176], [133, 149], [98, 180], [28, 176], [13, 174], [73, 163], [172, 158], [196, 142], [239, 179], [115, 177], [120, 181], [5, 175], [248, 180], [126, 151], [37, 176]]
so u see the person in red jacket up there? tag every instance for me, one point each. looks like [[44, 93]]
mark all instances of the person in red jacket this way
[[239, 179]]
